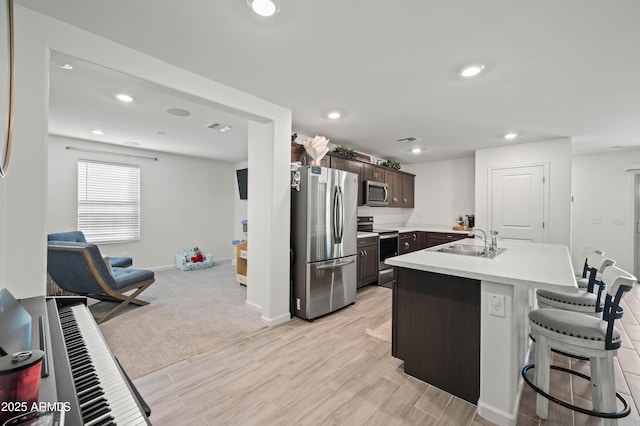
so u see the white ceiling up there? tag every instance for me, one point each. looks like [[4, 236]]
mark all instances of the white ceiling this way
[[553, 69]]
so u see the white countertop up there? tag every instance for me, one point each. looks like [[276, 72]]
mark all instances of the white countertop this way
[[413, 228], [431, 228], [530, 264]]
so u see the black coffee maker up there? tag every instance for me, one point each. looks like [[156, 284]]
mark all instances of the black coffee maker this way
[[471, 220]]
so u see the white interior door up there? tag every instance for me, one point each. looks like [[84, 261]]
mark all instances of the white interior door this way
[[517, 203]]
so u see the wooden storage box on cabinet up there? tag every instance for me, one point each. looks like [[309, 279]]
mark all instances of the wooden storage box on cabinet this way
[[241, 263]]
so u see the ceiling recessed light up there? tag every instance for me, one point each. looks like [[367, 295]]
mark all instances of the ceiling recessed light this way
[[178, 112], [470, 70], [131, 143], [416, 150], [334, 115], [225, 128], [161, 132], [510, 136], [97, 132], [264, 7], [123, 97]]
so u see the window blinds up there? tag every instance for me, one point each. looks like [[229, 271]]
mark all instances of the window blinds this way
[[108, 201]]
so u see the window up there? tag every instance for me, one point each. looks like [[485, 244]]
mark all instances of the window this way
[[108, 201]]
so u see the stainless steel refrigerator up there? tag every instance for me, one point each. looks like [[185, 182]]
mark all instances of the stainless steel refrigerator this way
[[323, 241]]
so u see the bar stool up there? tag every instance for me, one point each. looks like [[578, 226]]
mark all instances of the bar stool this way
[[583, 279], [596, 338], [587, 301]]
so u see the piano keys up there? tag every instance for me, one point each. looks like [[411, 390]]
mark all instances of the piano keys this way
[[82, 371]]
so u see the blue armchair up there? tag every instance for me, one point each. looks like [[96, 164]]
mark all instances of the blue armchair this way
[[78, 237], [78, 267]]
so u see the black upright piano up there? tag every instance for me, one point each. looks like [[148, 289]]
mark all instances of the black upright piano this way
[[78, 366]]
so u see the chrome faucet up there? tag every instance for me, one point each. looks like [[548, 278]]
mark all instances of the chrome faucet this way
[[494, 241], [484, 238]]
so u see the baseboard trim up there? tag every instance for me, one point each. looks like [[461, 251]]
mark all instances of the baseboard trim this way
[[281, 319], [496, 415], [253, 306], [173, 265], [501, 417]]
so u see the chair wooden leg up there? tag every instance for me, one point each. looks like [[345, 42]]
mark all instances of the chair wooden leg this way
[[124, 301], [543, 364]]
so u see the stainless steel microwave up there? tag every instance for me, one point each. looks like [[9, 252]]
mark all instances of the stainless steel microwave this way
[[376, 193]]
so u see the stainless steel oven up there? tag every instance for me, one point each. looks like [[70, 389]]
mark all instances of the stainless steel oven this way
[[387, 247]]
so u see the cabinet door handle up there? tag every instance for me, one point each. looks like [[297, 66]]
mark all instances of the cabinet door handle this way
[[365, 253], [406, 245], [414, 235]]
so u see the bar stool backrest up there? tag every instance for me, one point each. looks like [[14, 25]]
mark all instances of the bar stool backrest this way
[[596, 264], [586, 253], [618, 282]]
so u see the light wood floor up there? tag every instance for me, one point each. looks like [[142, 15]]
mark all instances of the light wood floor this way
[[331, 372]]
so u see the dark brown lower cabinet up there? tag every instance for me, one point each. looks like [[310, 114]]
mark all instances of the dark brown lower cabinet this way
[[367, 261], [437, 238], [436, 330]]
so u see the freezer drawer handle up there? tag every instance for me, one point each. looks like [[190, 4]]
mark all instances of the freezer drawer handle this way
[[335, 265]]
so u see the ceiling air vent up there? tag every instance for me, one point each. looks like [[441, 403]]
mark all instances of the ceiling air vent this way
[[212, 125], [409, 139]]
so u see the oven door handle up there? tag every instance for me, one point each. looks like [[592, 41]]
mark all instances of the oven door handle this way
[[387, 236]]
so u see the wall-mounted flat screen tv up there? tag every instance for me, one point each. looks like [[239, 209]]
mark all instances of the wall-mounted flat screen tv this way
[[242, 175]]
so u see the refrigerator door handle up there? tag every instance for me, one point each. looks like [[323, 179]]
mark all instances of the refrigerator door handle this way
[[336, 236], [386, 194], [335, 264], [338, 216], [341, 213]]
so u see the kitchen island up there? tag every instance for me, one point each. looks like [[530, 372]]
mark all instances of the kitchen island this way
[[460, 322]]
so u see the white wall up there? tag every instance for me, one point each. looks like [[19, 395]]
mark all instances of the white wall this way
[[184, 201], [24, 214], [603, 191], [24, 207], [444, 190], [557, 153]]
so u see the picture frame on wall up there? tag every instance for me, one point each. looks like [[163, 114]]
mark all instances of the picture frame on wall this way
[[6, 83]]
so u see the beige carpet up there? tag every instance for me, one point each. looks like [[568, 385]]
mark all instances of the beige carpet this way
[[189, 312], [382, 332]]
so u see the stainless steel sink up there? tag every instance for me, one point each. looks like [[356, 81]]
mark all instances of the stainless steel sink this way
[[469, 250]]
